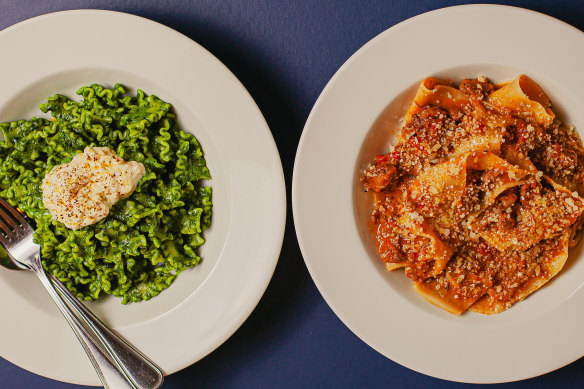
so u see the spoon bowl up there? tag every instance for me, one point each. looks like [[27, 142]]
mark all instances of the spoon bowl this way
[[9, 263], [116, 362]]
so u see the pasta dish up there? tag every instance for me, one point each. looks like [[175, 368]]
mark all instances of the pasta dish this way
[[479, 199], [136, 249]]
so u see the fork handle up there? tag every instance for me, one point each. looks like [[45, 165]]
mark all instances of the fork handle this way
[[116, 362]]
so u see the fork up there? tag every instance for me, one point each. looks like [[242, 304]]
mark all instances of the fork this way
[[117, 363]]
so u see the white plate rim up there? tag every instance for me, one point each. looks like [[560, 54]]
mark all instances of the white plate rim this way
[[306, 215], [264, 214]]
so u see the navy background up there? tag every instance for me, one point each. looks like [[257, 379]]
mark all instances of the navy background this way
[[284, 53]]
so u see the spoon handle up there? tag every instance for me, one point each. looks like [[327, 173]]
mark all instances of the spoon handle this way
[[143, 373], [117, 364]]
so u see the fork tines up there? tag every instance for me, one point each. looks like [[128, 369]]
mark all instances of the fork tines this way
[[11, 221]]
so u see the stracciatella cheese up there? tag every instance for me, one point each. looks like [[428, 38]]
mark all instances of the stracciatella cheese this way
[[81, 192]]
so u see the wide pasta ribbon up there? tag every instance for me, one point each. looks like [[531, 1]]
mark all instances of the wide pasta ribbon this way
[[551, 256], [525, 99], [406, 239], [511, 276], [539, 210], [441, 94], [448, 193]]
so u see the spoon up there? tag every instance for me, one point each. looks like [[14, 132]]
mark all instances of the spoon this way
[[117, 363]]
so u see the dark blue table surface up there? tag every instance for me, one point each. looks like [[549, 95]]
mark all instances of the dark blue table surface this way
[[284, 52]]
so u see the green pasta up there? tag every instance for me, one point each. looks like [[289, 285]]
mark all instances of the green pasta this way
[[149, 237]]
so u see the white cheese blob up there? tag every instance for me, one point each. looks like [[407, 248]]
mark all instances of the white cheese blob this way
[[81, 192]]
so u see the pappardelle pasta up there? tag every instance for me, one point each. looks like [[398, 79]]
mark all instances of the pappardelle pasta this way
[[480, 198]]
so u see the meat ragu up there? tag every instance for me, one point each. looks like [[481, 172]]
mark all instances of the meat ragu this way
[[479, 199]]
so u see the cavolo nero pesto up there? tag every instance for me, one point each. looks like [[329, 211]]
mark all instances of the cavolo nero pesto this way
[[149, 237]]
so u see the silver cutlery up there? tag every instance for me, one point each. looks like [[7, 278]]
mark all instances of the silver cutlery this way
[[117, 363]]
